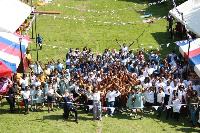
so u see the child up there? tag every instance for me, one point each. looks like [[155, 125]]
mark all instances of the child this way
[[26, 96], [38, 95], [138, 102], [50, 93], [89, 95], [150, 99], [32, 93], [160, 100], [130, 101], [176, 102]]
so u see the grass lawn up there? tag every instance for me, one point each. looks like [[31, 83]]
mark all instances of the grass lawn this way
[[87, 22], [54, 122], [65, 31]]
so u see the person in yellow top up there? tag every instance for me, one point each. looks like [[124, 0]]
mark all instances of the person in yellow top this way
[[89, 85], [28, 57], [47, 71], [17, 76], [42, 78]]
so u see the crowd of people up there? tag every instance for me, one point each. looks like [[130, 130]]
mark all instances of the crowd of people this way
[[114, 81]]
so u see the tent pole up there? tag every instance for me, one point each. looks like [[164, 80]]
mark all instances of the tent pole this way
[[188, 59], [20, 42], [36, 38]]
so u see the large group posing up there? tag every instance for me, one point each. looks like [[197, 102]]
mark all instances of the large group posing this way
[[114, 81]]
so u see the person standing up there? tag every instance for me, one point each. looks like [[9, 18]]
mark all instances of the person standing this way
[[138, 104], [26, 96], [38, 96], [39, 39], [194, 100], [50, 93], [160, 100], [11, 96], [111, 94], [97, 111]]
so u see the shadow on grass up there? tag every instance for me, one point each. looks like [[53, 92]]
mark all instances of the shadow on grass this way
[[183, 122], [158, 10]]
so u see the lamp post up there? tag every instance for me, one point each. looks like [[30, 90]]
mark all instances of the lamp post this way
[[20, 42]]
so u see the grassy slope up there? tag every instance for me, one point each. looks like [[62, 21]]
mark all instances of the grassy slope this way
[[67, 33], [76, 34]]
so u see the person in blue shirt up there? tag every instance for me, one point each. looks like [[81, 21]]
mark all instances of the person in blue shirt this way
[[59, 65], [39, 39]]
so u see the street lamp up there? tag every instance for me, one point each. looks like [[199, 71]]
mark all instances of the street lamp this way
[[20, 42]]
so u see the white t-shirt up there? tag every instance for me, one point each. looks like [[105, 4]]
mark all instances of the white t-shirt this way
[[24, 82], [38, 83], [32, 78], [124, 49], [25, 94], [187, 83], [96, 96], [160, 96], [150, 97], [175, 107], [174, 88], [168, 90], [172, 56], [158, 84], [36, 68], [147, 85], [51, 91], [180, 94], [111, 96]]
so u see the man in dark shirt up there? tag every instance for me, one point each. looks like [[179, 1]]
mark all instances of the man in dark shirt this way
[[68, 106], [11, 96]]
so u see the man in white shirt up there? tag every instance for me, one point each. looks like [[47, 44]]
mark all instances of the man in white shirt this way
[[24, 82], [110, 96], [36, 68]]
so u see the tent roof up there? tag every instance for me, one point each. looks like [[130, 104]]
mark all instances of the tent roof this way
[[13, 14], [194, 53], [191, 11], [10, 53]]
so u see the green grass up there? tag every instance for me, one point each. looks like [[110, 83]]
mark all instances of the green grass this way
[[75, 33], [54, 122], [68, 33]]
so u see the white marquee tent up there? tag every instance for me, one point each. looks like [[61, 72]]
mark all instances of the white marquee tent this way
[[12, 14], [191, 14]]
